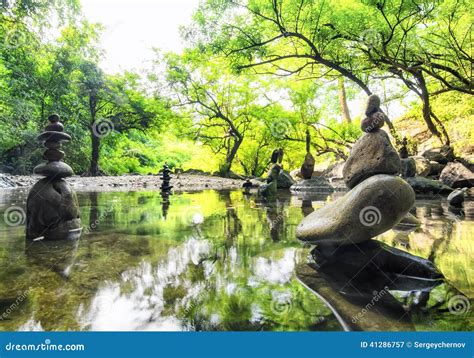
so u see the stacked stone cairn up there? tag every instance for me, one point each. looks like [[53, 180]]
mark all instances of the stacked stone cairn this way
[[52, 208], [310, 184], [378, 200], [166, 177]]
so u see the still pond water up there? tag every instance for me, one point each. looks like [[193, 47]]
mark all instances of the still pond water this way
[[212, 261]]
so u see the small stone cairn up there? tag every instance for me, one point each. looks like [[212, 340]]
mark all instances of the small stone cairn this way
[[52, 208]]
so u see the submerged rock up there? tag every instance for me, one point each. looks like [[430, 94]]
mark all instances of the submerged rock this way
[[425, 185], [372, 154], [313, 185], [52, 210], [371, 208]]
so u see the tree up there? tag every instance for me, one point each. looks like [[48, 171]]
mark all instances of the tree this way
[[223, 105], [362, 42], [112, 104]]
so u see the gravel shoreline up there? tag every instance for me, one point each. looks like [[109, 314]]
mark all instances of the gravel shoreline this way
[[182, 182]]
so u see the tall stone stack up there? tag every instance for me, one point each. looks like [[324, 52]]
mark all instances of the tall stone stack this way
[[378, 200], [52, 208], [166, 177]]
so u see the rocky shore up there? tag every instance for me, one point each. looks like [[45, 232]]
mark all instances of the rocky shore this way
[[183, 182]]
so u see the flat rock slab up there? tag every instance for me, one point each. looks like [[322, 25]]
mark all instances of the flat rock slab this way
[[372, 154], [456, 175], [313, 185], [54, 136], [371, 208]]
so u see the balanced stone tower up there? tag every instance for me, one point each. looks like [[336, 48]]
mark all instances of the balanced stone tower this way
[[52, 208], [378, 200], [166, 177]]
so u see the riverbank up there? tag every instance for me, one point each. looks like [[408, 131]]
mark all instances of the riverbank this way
[[182, 182]]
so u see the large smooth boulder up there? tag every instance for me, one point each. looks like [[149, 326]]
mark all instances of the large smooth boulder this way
[[52, 211], [424, 185], [423, 166], [371, 208], [372, 154], [313, 185], [441, 155], [456, 175], [408, 166]]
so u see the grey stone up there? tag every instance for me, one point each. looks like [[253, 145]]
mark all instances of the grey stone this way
[[308, 166], [423, 166], [441, 155], [372, 154], [52, 210], [371, 208], [408, 167], [456, 175], [284, 180], [313, 185], [373, 122], [436, 168], [54, 170], [424, 185], [456, 198]]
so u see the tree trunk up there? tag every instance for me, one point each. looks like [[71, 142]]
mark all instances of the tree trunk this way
[[95, 153], [231, 154], [346, 116], [428, 113]]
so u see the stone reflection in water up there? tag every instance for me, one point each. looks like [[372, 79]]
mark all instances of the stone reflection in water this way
[[372, 286], [211, 265]]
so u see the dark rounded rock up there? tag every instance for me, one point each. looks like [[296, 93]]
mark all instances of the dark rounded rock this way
[[424, 185], [307, 168], [373, 122], [55, 127], [372, 154], [52, 145], [53, 155], [54, 170], [371, 208], [52, 210], [284, 180], [54, 136], [408, 166], [54, 118], [456, 198]]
